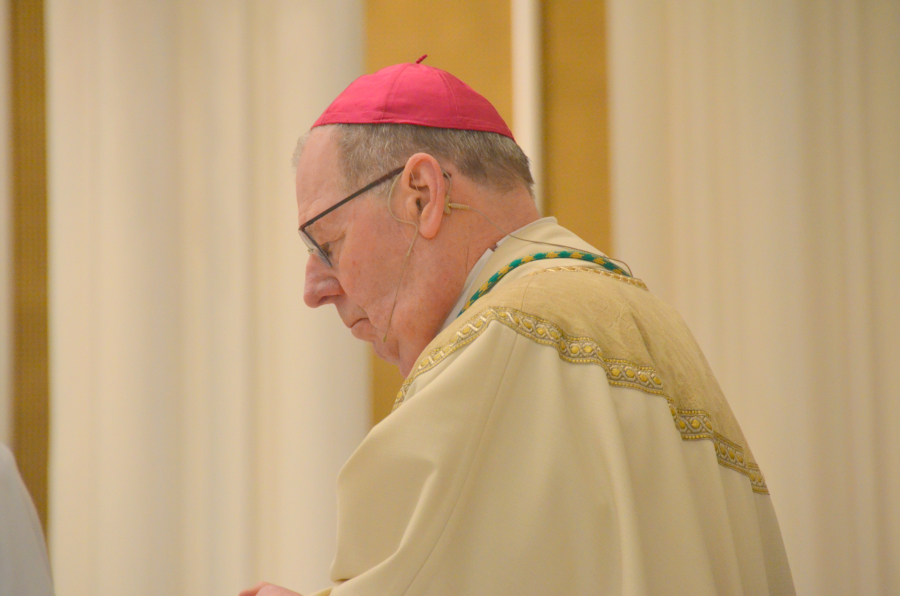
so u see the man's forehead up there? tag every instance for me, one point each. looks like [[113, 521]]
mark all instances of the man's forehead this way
[[318, 175], [319, 150]]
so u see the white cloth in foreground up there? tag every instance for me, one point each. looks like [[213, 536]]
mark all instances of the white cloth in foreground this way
[[24, 567], [564, 435]]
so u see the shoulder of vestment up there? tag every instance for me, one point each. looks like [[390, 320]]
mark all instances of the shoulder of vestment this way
[[593, 317]]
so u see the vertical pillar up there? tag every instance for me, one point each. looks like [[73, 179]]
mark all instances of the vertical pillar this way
[[29, 187]]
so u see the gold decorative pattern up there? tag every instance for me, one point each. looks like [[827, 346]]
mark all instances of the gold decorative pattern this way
[[692, 424], [622, 373], [697, 424], [606, 272]]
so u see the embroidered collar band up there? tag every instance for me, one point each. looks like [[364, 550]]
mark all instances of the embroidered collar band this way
[[580, 255]]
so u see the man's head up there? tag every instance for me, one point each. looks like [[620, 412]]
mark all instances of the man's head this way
[[397, 258]]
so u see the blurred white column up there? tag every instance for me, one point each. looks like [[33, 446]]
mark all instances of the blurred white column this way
[[312, 377], [527, 88], [199, 414], [756, 186]]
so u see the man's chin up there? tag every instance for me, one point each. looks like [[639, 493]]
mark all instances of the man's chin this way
[[386, 350], [383, 351], [362, 329]]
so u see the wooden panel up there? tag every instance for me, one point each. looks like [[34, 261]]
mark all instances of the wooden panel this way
[[29, 186], [469, 38], [576, 144], [386, 381]]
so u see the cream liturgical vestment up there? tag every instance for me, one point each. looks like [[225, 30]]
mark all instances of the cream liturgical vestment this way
[[563, 435]]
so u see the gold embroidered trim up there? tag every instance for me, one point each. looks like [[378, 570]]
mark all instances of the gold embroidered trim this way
[[697, 424], [616, 276], [692, 424]]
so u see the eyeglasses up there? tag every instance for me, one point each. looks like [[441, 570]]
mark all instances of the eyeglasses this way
[[314, 247]]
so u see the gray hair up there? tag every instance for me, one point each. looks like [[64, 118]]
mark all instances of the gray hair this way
[[370, 150]]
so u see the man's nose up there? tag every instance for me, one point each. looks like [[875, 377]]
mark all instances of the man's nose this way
[[320, 286]]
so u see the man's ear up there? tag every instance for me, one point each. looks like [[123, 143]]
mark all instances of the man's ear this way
[[429, 189]]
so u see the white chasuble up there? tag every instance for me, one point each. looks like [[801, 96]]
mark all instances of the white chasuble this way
[[564, 435]]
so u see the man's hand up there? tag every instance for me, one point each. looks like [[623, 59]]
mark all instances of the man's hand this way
[[266, 589]]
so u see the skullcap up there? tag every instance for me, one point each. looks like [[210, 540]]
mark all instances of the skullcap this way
[[413, 93]]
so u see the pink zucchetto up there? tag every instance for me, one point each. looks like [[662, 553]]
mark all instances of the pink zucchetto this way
[[412, 93]]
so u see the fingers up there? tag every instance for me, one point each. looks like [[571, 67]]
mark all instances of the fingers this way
[[267, 589], [254, 591]]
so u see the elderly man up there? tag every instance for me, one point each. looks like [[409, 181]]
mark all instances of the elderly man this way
[[558, 431]]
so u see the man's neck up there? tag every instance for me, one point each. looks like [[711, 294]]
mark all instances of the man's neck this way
[[479, 266]]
